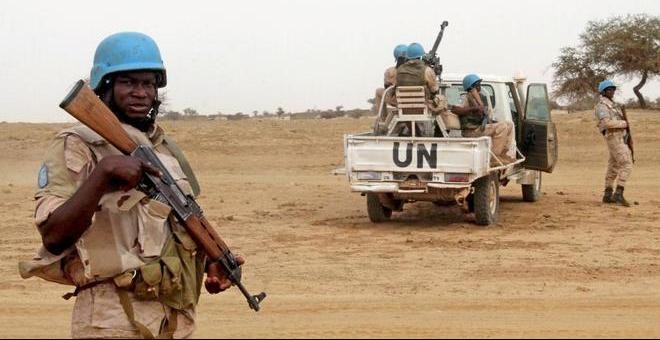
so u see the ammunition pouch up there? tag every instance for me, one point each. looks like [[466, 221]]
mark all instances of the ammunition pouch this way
[[175, 278]]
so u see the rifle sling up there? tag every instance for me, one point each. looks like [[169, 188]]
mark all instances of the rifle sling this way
[[185, 166]]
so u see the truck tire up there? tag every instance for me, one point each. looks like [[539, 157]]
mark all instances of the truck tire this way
[[532, 192], [377, 212], [486, 200]]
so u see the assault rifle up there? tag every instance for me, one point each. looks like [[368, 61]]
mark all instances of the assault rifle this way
[[84, 105], [629, 139], [431, 58]]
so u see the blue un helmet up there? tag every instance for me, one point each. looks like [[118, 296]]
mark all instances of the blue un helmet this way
[[126, 51], [470, 81], [415, 51], [605, 84], [400, 51]]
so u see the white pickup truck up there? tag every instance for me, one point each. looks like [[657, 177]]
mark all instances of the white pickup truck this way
[[415, 156]]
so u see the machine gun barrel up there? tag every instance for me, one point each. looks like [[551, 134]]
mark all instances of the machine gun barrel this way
[[434, 50], [431, 58]]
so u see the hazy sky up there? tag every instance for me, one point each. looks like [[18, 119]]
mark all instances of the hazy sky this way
[[230, 56]]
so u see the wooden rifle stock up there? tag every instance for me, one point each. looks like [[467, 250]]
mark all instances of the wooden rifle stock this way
[[84, 105]]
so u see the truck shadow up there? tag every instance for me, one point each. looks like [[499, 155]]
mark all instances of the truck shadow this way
[[427, 215], [430, 214], [418, 215]]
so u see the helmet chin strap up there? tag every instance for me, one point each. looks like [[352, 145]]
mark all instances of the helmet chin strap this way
[[143, 124]]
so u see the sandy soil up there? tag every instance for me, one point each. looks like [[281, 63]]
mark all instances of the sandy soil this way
[[566, 266]]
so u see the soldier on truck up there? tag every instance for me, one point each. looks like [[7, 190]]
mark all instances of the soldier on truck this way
[[474, 120]]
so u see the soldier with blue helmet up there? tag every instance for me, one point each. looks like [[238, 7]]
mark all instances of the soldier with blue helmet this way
[[399, 54], [118, 54], [471, 116], [136, 271], [612, 126], [389, 78], [414, 72]]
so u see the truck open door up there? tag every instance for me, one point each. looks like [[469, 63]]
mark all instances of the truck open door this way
[[539, 135]]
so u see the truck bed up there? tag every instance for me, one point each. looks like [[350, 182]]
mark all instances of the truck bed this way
[[382, 163]]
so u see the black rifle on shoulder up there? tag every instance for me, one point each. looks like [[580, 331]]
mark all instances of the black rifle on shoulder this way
[[629, 139], [431, 58], [84, 105]]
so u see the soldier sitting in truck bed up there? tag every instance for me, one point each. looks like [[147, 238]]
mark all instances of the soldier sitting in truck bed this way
[[389, 79], [416, 73]]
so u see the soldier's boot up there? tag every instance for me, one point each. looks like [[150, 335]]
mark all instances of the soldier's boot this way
[[618, 197], [607, 195]]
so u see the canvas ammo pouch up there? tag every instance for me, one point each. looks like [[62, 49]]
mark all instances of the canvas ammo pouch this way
[[174, 279]]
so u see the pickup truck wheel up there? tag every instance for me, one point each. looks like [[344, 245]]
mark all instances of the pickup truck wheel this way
[[486, 200], [532, 192], [377, 212]]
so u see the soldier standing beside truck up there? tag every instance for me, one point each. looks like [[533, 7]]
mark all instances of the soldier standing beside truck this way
[[613, 126], [473, 116]]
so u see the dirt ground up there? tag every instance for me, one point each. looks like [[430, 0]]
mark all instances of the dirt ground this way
[[566, 266]]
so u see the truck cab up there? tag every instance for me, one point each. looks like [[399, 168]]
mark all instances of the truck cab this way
[[392, 167], [535, 133]]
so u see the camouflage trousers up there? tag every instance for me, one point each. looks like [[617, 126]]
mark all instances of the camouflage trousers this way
[[98, 313], [500, 134], [619, 165]]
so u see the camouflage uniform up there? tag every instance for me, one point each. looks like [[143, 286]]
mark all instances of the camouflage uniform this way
[[613, 128], [138, 226], [416, 73], [501, 133]]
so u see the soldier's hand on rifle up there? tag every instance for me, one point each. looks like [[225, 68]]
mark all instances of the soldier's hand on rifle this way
[[216, 280], [124, 172]]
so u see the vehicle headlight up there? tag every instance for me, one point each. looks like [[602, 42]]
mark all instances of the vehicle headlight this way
[[368, 175]]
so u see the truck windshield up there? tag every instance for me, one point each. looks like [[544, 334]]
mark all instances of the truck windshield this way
[[455, 93]]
